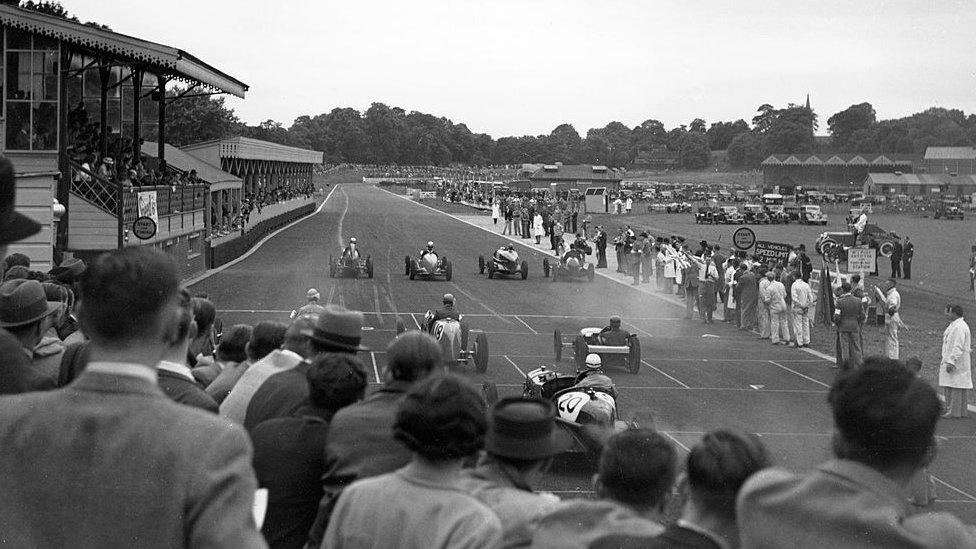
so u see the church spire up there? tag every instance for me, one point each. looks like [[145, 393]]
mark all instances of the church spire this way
[[808, 101]]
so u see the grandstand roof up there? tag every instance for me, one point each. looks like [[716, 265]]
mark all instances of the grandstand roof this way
[[584, 172], [218, 179], [891, 179], [840, 159], [162, 59], [246, 148], [950, 153]]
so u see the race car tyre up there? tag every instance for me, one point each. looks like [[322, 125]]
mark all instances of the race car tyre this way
[[590, 273], [490, 391], [448, 270], [580, 350], [525, 270], [557, 345], [369, 267], [887, 248], [480, 352], [491, 270], [827, 246], [481, 264], [412, 271], [406, 265], [634, 359], [555, 274], [545, 268]]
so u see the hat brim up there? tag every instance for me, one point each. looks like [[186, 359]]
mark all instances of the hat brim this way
[[325, 340], [559, 441], [19, 228], [52, 307]]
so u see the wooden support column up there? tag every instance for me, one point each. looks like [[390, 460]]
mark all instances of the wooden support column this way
[[136, 119], [64, 166], [161, 123], [103, 73]]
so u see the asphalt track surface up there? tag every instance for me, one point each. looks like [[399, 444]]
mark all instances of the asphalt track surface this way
[[694, 377]]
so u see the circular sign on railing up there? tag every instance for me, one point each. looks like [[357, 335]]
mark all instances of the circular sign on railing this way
[[744, 238], [144, 228]]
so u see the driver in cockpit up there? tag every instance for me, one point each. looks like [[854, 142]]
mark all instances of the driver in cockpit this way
[[612, 334], [428, 250], [350, 251], [594, 377], [506, 253]]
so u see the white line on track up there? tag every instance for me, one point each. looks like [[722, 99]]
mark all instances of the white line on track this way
[[971, 497], [676, 441], [526, 325], [342, 216], [478, 301], [512, 362], [465, 314], [415, 321], [376, 370], [804, 376], [648, 334], [249, 253], [665, 374], [376, 301]]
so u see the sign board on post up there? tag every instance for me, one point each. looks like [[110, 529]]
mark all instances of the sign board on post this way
[[144, 228], [744, 238], [773, 252], [861, 260]]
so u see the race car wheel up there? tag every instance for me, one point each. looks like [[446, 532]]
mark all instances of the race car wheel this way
[[490, 391], [887, 248], [634, 358], [369, 267], [406, 265], [448, 270], [525, 270], [480, 352], [545, 268], [580, 350], [481, 264], [557, 345], [555, 274], [491, 270], [590, 273], [826, 246], [412, 271]]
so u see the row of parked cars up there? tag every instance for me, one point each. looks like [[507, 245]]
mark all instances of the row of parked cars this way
[[757, 214]]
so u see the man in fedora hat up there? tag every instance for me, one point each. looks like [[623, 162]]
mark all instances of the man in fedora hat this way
[[312, 307], [26, 314], [522, 438], [338, 330], [16, 373]]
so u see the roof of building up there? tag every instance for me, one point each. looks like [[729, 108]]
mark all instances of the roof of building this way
[[218, 179], [892, 179], [161, 59], [950, 153], [246, 148], [841, 159], [576, 171]]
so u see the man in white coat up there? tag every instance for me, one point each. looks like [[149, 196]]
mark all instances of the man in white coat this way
[[763, 308], [802, 297], [779, 331], [892, 305], [955, 371]]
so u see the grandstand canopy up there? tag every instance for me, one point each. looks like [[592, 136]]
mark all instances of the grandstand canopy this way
[[217, 178], [245, 148]]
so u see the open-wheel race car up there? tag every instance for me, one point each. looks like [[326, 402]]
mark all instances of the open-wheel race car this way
[[452, 335], [504, 262], [350, 266], [571, 266], [592, 340], [833, 246], [428, 265]]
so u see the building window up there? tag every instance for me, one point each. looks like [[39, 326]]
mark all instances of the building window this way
[[31, 98]]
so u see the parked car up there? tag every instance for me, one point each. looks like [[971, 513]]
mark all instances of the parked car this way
[[756, 214], [812, 215]]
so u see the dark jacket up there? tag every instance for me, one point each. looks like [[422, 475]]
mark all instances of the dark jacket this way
[[281, 395], [73, 362], [185, 391], [16, 373], [673, 537], [289, 460], [848, 314]]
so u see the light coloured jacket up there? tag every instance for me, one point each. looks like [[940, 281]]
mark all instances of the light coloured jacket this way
[[956, 349], [802, 294], [234, 407], [577, 523], [47, 356], [777, 296]]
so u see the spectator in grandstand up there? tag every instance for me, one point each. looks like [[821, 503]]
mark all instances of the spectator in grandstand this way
[[94, 443], [175, 377], [884, 420], [288, 457], [266, 337], [522, 438], [633, 481], [360, 442], [338, 330], [423, 504], [296, 349], [230, 353]]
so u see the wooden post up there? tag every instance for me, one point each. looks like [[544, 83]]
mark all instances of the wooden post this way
[[136, 108], [64, 165], [103, 115], [161, 123]]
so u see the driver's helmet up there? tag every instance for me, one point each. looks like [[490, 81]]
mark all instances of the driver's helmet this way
[[352, 242], [615, 321], [593, 362], [448, 298], [572, 261], [430, 245]]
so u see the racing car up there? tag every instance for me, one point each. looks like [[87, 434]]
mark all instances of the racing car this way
[[833, 246], [452, 336], [571, 266], [428, 266], [345, 266], [504, 262], [589, 340]]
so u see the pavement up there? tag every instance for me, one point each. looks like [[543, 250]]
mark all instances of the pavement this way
[[694, 377]]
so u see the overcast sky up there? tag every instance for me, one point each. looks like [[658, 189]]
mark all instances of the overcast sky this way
[[515, 67]]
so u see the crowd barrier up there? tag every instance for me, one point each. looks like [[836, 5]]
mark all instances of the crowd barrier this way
[[227, 251]]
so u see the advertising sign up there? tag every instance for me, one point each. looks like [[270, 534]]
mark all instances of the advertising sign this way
[[861, 260], [147, 206]]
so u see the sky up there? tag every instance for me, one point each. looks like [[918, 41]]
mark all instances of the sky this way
[[522, 67]]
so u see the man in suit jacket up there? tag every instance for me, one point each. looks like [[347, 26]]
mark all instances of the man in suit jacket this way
[[907, 253], [230, 353], [849, 316], [175, 377], [110, 461]]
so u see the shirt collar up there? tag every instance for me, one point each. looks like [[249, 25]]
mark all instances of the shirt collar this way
[[715, 538], [176, 368], [291, 354], [124, 369]]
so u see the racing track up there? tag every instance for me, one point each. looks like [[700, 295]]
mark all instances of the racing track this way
[[694, 378]]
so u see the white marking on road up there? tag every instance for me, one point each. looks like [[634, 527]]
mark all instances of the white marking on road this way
[[757, 387], [676, 441], [345, 209], [665, 374], [645, 332], [710, 335], [376, 301], [376, 370], [256, 247], [512, 362], [946, 484], [526, 325], [415, 321], [478, 301], [804, 376]]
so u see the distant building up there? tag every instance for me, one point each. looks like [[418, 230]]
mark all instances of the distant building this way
[[950, 160], [919, 184], [657, 158], [841, 170], [577, 176]]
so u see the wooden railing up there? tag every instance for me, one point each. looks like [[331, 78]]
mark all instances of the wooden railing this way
[[169, 200]]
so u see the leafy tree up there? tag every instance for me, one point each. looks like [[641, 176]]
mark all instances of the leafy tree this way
[[194, 119], [691, 147], [697, 125], [564, 144], [764, 120], [720, 134], [790, 131], [745, 150], [844, 124], [269, 130]]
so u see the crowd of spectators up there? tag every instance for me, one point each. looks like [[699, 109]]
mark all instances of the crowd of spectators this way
[[466, 173], [156, 426]]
